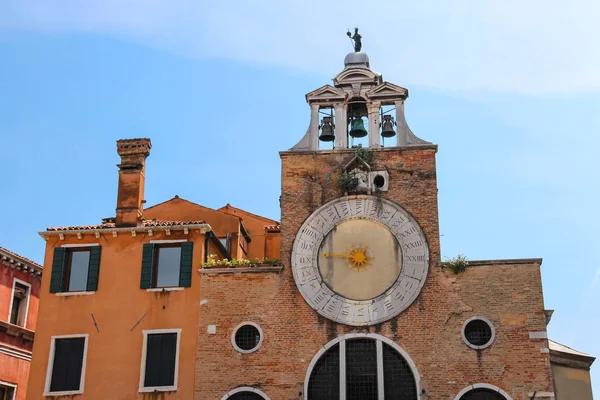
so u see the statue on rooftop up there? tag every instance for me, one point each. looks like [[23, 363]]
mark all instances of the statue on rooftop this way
[[356, 38]]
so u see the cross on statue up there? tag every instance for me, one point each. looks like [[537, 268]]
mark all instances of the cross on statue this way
[[356, 38]]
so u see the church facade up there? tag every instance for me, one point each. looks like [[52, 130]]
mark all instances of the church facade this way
[[363, 307]]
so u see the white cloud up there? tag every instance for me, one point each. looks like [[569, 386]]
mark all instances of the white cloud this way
[[521, 46]]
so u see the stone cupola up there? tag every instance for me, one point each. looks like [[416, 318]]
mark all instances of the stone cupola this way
[[360, 103]]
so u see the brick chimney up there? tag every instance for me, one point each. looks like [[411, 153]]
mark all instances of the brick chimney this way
[[132, 171]]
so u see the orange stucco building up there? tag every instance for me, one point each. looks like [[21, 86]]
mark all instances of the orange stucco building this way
[[20, 280], [123, 295]]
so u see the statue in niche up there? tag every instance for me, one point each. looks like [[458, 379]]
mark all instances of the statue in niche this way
[[356, 38]]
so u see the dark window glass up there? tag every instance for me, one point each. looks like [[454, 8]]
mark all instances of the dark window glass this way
[[482, 394], [77, 270], [247, 337], [161, 351], [324, 383], [361, 369], [478, 332], [19, 304], [7, 392], [246, 396], [398, 379], [168, 261], [66, 368]]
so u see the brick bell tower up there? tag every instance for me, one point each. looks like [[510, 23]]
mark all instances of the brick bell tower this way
[[361, 307]]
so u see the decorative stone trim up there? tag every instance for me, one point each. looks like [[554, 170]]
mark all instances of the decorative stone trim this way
[[202, 228], [17, 353], [260, 340], [246, 389], [483, 386], [509, 261], [538, 335], [540, 395], [19, 263], [217, 270], [487, 321]]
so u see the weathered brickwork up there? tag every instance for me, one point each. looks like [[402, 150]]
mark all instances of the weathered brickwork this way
[[509, 294]]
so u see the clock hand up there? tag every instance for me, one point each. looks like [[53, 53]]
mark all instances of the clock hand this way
[[336, 255]]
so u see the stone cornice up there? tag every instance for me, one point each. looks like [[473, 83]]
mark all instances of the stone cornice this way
[[341, 151], [509, 261], [20, 263], [203, 228]]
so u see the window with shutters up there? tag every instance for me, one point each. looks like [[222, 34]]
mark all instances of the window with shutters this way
[[19, 303], [8, 391], [167, 265], [75, 269], [66, 365], [160, 360]]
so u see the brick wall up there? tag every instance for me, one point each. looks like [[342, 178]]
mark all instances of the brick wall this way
[[508, 294]]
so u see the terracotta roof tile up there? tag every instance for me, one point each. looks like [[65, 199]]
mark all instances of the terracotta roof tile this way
[[20, 257], [109, 225]]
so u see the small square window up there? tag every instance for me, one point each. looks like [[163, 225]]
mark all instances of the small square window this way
[[7, 391], [76, 271], [19, 304], [160, 360], [167, 263], [66, 365]]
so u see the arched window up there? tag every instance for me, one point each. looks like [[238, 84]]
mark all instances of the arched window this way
[[245, 393], [482, 391], [361, 367]]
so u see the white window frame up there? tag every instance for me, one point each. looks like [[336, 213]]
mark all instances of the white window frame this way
[[482, 386], [12, 297], [252, 350], [246, 389], [485, 345], [146, 389], [379, 340], [47, 391], [12, 385], [81, 292]]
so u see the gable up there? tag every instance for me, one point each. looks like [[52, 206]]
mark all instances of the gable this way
[[326, 93], [387, 91]]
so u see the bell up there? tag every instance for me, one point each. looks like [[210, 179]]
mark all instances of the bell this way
[[358, 129], [387, 129], [327, 134]]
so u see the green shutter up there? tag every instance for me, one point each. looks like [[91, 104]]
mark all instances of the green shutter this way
[[58, 269], [147, 266], [94, 269], [185, 268]]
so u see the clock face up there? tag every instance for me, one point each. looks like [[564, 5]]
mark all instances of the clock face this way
[[360, 260]]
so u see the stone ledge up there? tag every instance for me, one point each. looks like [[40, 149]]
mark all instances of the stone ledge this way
[[513, 261], [253, 270], [353, 150]]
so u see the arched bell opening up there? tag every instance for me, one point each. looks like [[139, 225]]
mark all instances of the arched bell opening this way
[[326, 127], [358, 122], [387, 125], [362, 367]]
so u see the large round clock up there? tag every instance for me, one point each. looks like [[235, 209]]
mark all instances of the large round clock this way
[[360, 260]]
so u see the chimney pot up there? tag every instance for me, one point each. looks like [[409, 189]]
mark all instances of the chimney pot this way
[[132, 171]]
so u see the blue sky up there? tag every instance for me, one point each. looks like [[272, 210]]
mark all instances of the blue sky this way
[[509, 91]]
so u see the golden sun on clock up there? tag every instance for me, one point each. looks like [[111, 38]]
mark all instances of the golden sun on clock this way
[[359, 259]]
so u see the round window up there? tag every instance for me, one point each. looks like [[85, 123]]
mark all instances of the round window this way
[[478, 333], [247, 337]]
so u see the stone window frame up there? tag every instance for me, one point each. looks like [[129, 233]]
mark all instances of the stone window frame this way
[[246, 389], [260, 340], [9, 385], [27, 301], [49, 368], [482, 386], [378, 340], [150, 389], [487, 321]]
